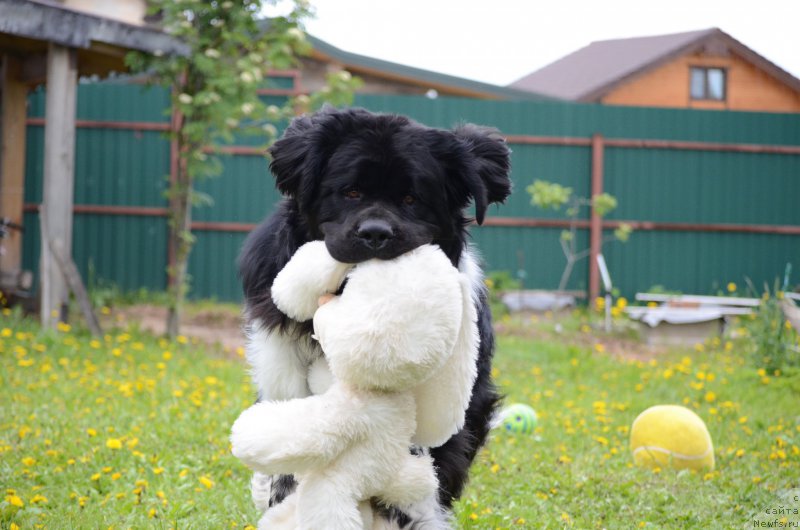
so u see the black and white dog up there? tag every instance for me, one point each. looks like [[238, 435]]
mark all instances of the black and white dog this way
[[372, 186]]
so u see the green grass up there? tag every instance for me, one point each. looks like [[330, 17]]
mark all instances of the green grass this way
[[130, 431]]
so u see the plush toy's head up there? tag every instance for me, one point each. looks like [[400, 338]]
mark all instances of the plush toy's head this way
[[395, 323]]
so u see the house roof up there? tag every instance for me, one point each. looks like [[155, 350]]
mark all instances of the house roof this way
[[361, 64], [590, 72]]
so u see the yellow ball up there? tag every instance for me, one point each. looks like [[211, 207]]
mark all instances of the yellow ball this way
[[671, 436]]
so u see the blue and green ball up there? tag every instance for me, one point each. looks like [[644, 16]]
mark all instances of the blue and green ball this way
[[519, 418]]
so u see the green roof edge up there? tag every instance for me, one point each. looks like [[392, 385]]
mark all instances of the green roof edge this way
[[354, 59]]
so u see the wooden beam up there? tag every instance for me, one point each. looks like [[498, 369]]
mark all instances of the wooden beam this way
[[123, 125], [596, 221], [59, 177], [12, 159]]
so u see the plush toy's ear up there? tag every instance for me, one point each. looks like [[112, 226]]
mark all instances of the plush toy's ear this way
[[486, 173]]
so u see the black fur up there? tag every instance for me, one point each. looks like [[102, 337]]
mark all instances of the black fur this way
[[373, 185]]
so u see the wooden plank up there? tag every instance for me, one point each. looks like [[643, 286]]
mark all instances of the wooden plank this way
[[698, 299], [12, 159], [59, 175], [73, 279]]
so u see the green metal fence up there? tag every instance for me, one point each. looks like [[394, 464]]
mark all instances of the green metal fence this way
[[714, 195]]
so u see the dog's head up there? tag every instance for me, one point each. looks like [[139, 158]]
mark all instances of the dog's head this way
[[378, 185]]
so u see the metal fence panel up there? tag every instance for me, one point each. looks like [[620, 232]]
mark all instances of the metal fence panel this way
[[128, 165]]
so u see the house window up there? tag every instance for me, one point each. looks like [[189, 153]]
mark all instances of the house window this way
[[708, 83]]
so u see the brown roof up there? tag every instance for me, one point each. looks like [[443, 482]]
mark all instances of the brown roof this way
[[589, 73]]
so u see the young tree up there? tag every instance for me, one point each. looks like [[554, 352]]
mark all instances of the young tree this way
[[551, 195], [214, 91]]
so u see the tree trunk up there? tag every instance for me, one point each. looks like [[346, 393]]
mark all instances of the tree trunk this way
[[181, 240]]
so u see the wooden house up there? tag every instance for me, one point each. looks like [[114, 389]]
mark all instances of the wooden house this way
[[705, 69]]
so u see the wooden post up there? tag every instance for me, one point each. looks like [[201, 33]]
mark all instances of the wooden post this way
[[596, 222], [12, 160], [59, 173]]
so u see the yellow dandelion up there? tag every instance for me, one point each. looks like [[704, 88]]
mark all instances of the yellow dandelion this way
[[114, 443], [600, 303], [38, 499], [96, 476], [181, 339], [495, 468], [473, 516], [731, 287], [15, 500], [207, 482], [91, 432], [158, 470], [28, 461], [5, 333], [710, 396]]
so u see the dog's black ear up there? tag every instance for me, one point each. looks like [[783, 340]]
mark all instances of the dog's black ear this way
[[486, 171], [289, 155]]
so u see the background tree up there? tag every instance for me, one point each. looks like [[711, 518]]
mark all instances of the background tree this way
[[214, 90], [549, 195]]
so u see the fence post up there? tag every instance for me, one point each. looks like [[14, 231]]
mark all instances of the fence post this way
[[596, 222], [58, 177]]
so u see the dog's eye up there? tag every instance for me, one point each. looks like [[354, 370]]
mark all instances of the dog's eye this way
[[409, 200], [352, 193]]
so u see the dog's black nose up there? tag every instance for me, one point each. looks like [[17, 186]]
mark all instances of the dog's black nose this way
[[374, 233]]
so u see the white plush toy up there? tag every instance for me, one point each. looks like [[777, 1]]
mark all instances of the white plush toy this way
[[401, 344]]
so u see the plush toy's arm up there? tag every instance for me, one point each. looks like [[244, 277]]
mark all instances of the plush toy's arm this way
[[443, 399], [395, 323], [310, 273], [294, 436]]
